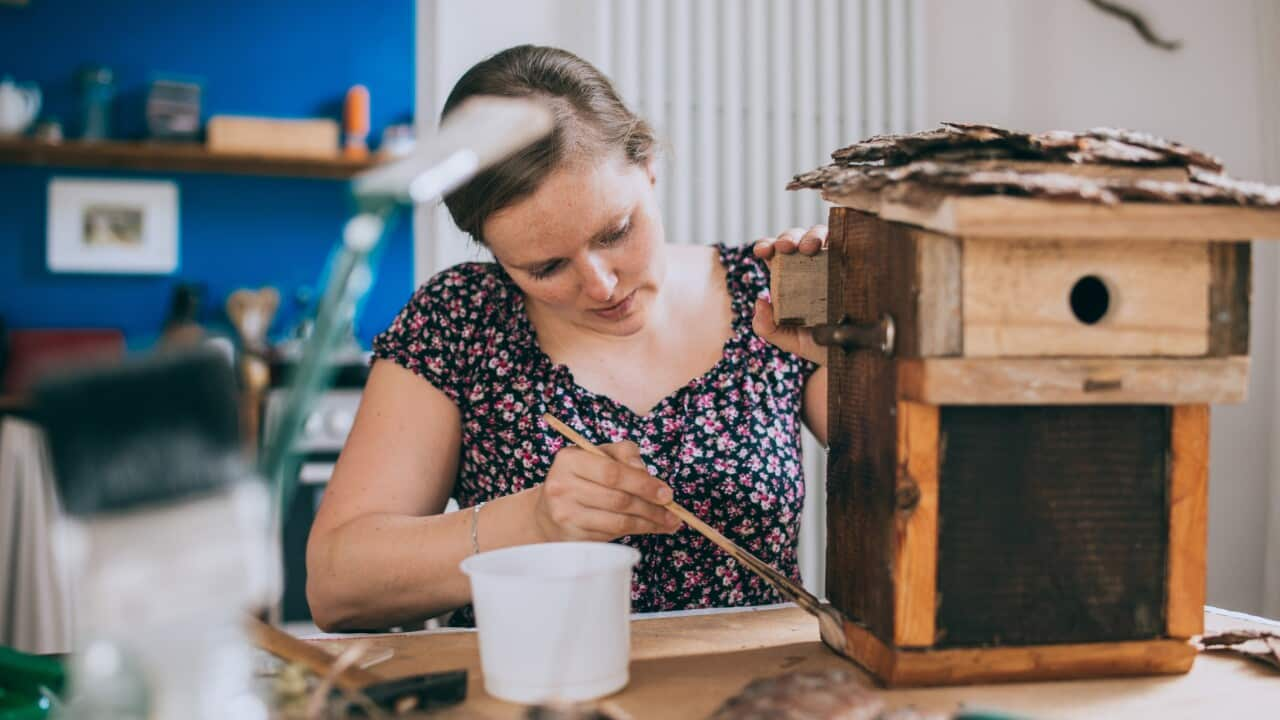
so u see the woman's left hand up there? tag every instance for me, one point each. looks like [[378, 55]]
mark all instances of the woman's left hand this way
[[795, 340]]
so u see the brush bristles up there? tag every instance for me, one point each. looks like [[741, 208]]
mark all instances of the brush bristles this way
[[142, 431]]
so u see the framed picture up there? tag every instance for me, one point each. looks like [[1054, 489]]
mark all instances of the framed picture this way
[[112, 226]]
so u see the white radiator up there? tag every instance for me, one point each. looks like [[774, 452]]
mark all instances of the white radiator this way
[[746, 93]]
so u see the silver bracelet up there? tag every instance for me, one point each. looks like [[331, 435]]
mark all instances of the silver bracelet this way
[[475, 522]]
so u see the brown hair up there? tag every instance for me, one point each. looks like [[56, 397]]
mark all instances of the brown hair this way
[[590, 119]]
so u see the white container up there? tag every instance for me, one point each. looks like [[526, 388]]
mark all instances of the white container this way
[[553, 619]]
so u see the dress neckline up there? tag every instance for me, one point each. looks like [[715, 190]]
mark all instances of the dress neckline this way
[[741, 323]]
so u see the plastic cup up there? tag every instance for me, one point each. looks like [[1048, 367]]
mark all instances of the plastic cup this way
[[553, 619]]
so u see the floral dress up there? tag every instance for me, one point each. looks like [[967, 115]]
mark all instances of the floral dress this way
[[728, 442]]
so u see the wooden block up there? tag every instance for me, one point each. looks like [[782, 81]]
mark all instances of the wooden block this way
[[1231, 287], [798, 287], [922, 283], [938, 294], [1013, 217], [915, 566], [1188, 520], [1084, 298], [1073, 381], [313, 137]]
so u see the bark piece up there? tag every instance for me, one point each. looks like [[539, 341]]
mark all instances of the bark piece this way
[[827, 695], [1257, 645]]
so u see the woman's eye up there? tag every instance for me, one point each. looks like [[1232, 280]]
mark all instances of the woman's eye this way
[[545, 271], [617, 236]]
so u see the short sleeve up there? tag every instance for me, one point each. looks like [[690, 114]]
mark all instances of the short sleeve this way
[[432, 334]]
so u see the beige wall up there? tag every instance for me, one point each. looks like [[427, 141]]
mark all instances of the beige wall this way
[[1044, 64]]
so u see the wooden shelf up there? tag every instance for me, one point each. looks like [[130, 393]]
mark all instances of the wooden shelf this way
[[13, 404], [171, 157]]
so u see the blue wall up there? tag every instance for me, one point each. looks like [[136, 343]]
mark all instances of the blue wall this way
[[283, 58]]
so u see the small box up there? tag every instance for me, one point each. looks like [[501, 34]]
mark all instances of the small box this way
[[173, 109], [314, 137]]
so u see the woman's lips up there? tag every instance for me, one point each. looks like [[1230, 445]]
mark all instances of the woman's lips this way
[[618, 310]]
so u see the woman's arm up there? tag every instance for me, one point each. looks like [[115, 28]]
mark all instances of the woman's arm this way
[[382, 554], [814, 411], [797, 340]]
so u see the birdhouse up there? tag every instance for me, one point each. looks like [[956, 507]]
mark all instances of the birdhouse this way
[[1026, 333]]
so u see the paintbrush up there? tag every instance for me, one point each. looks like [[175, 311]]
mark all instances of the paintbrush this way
[[145, 431], [830, 620]]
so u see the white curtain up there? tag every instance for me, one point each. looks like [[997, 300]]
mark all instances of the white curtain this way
[[35, 599]]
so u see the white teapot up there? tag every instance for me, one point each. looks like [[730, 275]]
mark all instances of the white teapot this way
[[18, 106]]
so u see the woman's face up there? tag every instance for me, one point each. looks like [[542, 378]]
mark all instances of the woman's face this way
[[587, 245]]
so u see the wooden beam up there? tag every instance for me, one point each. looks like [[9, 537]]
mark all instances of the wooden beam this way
[[1072, 381], [1188, 520], [1084, 298], [1230, 289], [970, 666], [1013, 217], [798, 287], [862, 467], [939, 291], [915, 566]]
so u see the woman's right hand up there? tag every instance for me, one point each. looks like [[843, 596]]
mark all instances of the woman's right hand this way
[[587, 497]]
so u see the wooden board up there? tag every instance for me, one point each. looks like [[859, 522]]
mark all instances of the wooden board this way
[[898, 668], [915, 561], [798, 288], [1013, 217], [920, 283], [1188, 520], [1073, 381], [172, 157], [683, 667], [861, 467], [1053, 524], [1230, 291], [938, 292], [1019, 298]]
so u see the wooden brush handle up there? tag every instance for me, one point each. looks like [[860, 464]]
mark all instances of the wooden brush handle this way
[[287, 647], [781, 582]]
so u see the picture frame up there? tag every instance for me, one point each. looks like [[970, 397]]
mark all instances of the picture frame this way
[[112, 226]]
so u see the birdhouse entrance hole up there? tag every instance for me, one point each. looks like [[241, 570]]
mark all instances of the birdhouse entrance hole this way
[[1090, 299]]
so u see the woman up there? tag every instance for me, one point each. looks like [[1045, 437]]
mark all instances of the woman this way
[[662, 354]]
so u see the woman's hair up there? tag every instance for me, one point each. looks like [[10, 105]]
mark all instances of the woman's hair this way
[[590, 121]]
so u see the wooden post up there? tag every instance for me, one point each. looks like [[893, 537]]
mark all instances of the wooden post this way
[[1188, 519]]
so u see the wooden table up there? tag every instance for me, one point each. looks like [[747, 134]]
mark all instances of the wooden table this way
[[684, 665]]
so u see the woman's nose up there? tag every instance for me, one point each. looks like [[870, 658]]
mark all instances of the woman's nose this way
[[599, 280]]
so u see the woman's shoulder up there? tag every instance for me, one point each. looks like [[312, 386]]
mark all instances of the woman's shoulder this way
[[454, 307], [746, 273], [467, 293], [448, 324]]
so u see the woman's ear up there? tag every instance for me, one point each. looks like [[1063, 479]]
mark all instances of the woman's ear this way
[[650, 169]]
